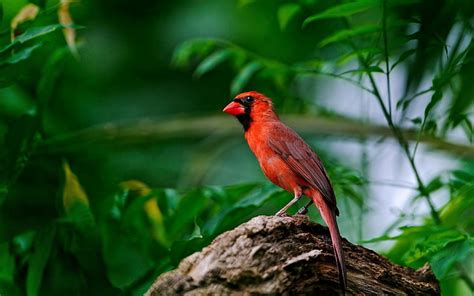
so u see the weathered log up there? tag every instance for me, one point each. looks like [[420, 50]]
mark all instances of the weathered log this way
[[288, 255]]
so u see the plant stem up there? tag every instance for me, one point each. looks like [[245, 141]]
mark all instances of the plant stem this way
[[163, 129], [396, 131], [387, 64], [404, 144], [334, 75]]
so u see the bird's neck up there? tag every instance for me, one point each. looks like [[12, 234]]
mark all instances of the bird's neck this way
[[262, 116], [256, 118], [245, 120]]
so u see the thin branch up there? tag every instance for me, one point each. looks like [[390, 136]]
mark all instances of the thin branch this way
[[335, 75], [147, 130], [387, 63], [391, 184], [405, 147], [398, 134], [450, 59], [417, 142], [420, 93]]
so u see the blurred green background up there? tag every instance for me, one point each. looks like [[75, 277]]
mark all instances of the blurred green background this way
[[116, 161]]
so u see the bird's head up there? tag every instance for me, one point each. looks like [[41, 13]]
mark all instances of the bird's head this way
[[249, 107]]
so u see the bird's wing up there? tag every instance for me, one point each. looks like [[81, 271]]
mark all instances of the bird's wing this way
[[302, 161]]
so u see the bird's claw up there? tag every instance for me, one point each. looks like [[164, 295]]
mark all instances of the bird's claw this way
[[302, 211]]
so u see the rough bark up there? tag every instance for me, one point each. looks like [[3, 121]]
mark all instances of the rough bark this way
[[288, 256]]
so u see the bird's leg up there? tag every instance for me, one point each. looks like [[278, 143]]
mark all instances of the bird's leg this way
[[304, 210], [297, 197]]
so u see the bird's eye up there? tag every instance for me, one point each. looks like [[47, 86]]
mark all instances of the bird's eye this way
[[248, 99]]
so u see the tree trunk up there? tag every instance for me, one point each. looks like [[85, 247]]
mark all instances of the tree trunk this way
[[288, 255]]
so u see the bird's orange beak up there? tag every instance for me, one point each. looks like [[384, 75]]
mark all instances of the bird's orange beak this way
[[234, 108]]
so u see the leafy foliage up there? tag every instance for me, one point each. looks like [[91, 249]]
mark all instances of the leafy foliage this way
[[70, 224], [447, 247], [437, 240], [142, 232]]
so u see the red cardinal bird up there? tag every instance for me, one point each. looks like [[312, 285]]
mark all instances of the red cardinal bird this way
[[288, 162]]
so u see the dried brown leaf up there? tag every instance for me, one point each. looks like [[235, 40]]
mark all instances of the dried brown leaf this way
[[66, 20], [73, 193], [27, 13]]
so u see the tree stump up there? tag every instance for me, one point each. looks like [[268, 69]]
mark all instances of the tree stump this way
[[288, 256]]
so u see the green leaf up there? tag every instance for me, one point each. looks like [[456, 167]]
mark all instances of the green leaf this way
[[73, 193], [453, 252], [468, 128], [457, 119], [444, 77], [50, 74], [21, 55], [431, 126], [343, 10], [124, 256], [230, 195], [189, 207], [196, 232], [458, 211], [7, 47], [32, 33], [20, 140], [8, 268], [258, 197], [364, 52], [182, 54], [212, 61], [431, 243], [435, 99], [464, 176], [347, 182], [343, 35], [64, 277], [317, 64], [239, 82], [405, 55], [80, 215], [140, 212], [403, 104], [23, 242], [381, 238], [7, 264], [463, 98], [76, 202], [232, 216], [416, 120], [36, 32], [286, 13], [37, 262], [168, 200], [185, 247], [434, 185], [194, 48], [14, 100]]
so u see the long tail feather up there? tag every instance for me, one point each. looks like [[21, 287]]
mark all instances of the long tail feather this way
[[329, 216]]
